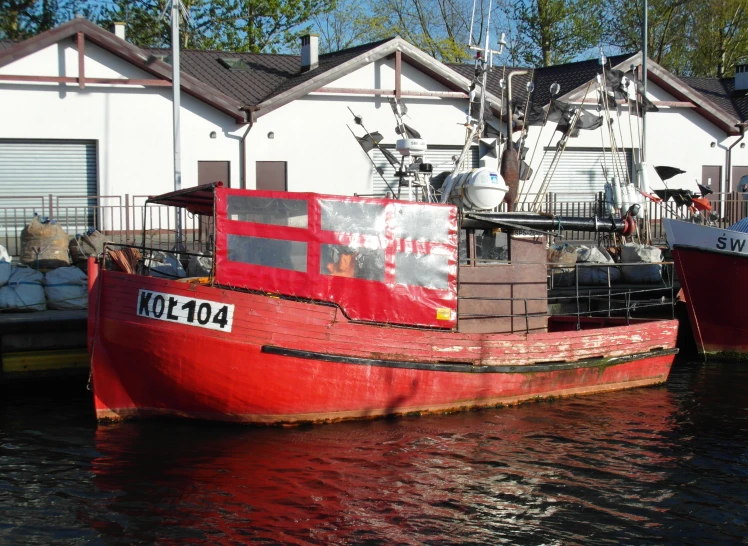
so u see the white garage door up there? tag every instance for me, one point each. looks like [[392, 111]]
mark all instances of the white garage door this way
[[31, 170], [579, 173], [439, 156]]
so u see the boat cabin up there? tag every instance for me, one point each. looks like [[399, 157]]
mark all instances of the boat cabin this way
[[380, 260]]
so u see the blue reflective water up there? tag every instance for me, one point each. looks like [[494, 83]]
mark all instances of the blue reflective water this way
[[657, 465]]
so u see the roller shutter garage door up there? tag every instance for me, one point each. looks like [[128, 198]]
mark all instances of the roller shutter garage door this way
[[64, 168], [440, 156], [579, 174]]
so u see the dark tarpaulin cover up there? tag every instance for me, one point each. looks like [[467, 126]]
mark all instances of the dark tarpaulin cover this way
[[197, 200], [381, 260]]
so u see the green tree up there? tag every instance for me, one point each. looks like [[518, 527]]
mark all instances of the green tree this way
[[21, 19], [261, 25], [232, 25], [556, 31], [718, 32], [439, 27], [668, 21], [348, 24]]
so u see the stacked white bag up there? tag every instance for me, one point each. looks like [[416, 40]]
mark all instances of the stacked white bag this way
[[66, 288], [23, 291], [4, 266], [164, 266], [641, 274], [592, 276]]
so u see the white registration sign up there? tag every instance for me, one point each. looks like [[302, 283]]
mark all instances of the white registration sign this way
[[184, 310]]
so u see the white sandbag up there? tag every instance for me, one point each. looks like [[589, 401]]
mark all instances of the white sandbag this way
[[66, 288], [634, 253], [199, 266], [4, 266], [165, 266], [24, 291], [596, 255]]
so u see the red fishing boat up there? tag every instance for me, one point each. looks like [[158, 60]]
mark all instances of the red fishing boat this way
[[712, 264], [322, 308]]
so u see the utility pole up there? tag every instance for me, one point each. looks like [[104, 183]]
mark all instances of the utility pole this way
[[175, 87], [643, 151]]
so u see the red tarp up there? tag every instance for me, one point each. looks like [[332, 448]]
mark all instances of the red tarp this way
[[381, 260]]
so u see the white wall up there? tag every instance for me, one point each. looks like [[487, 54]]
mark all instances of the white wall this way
[[310, 133], [131, 124]]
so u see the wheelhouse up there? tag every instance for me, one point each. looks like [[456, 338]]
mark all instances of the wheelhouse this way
[[380, 260]]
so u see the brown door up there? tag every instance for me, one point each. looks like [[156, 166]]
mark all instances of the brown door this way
[[710, 177], [738, 172], [271, 176], [214, 171], [207, 173]]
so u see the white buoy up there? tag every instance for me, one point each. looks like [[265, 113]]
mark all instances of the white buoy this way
[[625, 201], [617, 193], [643, 177]]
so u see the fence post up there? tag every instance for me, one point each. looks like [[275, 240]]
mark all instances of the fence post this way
[[51, 207], [127, 215]]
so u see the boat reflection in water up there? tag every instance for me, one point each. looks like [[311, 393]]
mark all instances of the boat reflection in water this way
[[571, 469]]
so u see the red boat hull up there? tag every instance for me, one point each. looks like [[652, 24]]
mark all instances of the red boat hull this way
[[716, 308], [290, 362]]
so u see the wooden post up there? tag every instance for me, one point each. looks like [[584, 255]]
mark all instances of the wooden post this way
[[81, 60], [398, 72]]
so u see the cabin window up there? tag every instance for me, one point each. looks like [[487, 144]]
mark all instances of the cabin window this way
[[348, 217], [268, 210], [483, 247], [353, 262], [421, 223], [277, 253], [491, 246], [427, 270]]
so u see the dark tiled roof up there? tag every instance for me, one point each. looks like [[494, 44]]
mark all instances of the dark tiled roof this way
[[265, 76], [569, 76], [519, 83], [264, 72], [721, 91], [326, 62]]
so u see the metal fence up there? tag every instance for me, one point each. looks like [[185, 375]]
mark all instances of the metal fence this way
[[125, 219]]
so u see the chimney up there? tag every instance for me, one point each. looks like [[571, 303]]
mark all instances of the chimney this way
[[741, 77], [119, 30], [309, 52]]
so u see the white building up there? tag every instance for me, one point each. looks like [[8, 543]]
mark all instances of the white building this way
[[85, 113]]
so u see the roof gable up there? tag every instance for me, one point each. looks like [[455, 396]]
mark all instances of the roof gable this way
[[670, 83], [334, 66], [133, 54]]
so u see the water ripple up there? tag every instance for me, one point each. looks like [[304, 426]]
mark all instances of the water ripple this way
[[660, 465]]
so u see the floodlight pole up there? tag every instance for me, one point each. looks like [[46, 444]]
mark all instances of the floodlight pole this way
[[175, 87]]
